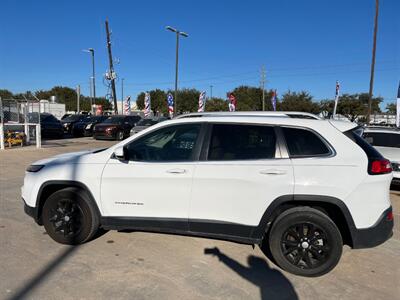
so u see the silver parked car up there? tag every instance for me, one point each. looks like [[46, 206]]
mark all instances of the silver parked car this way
[[145, 123]]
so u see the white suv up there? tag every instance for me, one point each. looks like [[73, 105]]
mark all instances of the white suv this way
[[299, 188]]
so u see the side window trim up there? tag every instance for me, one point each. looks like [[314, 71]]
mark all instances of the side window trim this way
[[195, 153], [281, 143], [331, 153]]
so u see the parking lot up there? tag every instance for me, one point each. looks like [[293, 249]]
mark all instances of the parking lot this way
[[137, 265]]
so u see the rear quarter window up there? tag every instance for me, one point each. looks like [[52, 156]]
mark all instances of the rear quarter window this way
[[304, 143]]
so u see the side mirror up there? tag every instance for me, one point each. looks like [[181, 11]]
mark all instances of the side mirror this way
[[120, 154]]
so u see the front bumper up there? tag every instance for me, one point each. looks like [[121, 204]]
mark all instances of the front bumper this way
[[375, 235], [31, 211], [104, 136]]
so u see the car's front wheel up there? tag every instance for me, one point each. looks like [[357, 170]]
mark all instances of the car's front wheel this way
[[120, 135], [69, 217], [305, 241]]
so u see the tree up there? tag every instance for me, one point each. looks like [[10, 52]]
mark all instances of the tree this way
[[158, 101], [391, 108], [5, 94], [354, 105], [326, 107], [302, 101], [187, 100], [216, 104]]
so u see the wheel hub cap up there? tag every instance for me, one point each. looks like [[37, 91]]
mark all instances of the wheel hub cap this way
[[305, 245]]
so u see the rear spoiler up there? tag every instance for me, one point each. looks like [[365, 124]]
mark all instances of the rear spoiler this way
[[343, 126]]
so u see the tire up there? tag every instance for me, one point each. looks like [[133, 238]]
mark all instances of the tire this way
[[69, 217], [305, 242], [120, 135]]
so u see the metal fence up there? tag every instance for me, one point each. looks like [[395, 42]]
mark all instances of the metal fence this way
[[19, 122]]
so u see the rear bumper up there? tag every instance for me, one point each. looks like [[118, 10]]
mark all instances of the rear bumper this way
[[375, 235]]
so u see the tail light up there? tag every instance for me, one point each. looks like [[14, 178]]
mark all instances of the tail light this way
[[389, 216], [380, 166]]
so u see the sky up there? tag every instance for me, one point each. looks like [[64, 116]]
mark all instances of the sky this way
[[304, 45]]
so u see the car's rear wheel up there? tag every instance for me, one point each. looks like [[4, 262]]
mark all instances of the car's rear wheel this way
[[69, 217], [305, 241]]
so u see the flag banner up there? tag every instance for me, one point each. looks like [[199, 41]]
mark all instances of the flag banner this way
[[398, 107], [170, 102], [273, 100], [202, 102], [127, 106], [232, 102], [336, 97], [147, 105]]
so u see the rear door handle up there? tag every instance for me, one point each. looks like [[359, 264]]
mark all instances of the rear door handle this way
[[272, 172], [176, 171]]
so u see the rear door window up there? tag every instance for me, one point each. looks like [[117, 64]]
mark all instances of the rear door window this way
[[241, 142], [304, 143]]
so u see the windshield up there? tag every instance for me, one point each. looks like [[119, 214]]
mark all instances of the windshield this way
[[73, 118], [145, 122], [114, 120]]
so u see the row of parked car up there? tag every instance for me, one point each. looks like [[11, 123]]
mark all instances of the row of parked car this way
[[116, 127]]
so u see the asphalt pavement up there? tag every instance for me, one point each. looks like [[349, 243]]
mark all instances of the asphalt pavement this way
[[137, 265]]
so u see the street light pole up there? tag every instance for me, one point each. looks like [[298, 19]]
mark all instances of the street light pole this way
[[93, 100], [178, 33]]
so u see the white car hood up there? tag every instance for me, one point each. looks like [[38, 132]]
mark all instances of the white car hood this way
[[72, 157]]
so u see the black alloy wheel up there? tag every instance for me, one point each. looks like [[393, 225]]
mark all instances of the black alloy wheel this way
[[305, 245], [66, 218], [305, 241], [70, 217]]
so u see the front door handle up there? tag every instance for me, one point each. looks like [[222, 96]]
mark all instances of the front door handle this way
[[272, 172], [176, 171]]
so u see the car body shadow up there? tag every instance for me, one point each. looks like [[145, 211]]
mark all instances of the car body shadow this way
[[272, 283]]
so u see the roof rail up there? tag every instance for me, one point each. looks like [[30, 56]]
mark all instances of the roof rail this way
[[287, 114]]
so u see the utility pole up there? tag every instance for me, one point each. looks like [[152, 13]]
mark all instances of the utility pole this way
[[211, 87], [112, 73], [92, 81], [371, 81], [178, 34], [263, 86], [122, 95], [78, 96]]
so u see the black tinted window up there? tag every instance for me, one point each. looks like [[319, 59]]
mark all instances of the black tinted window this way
[[241, 142], [383, 139], [302, 142], [174, 143], [134, 119]]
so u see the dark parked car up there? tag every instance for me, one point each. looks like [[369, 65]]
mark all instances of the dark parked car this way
[[145, 123], [69, 122], [115, 127], [50, 126], [85, 127]]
